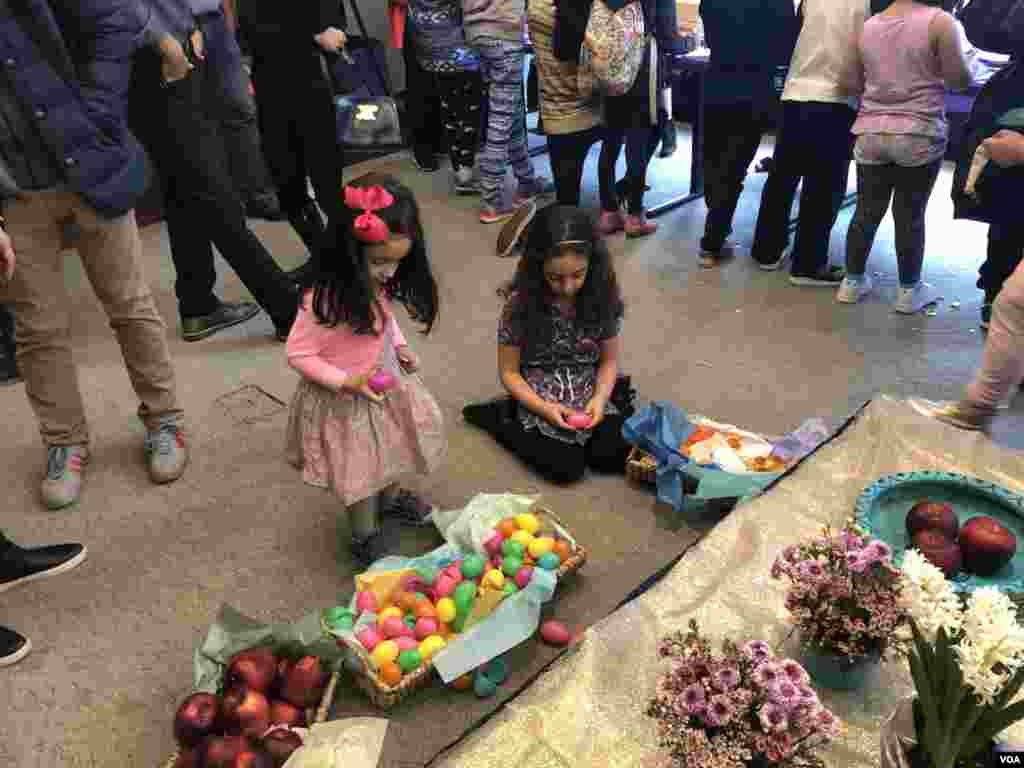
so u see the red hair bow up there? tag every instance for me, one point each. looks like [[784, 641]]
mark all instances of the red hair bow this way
[[369, 227]]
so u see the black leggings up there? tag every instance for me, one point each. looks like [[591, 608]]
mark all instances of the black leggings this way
[[606, 451], [638, 141], [568, 153]]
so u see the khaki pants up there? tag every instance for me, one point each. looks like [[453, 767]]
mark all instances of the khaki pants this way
[[110, 250]]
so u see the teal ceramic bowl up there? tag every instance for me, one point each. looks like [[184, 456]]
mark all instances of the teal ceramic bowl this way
[[882, 510]]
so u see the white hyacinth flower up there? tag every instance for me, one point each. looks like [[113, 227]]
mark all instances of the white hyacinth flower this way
[[927, 597]]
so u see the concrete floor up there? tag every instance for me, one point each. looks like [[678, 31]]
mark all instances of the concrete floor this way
[[114, 641]]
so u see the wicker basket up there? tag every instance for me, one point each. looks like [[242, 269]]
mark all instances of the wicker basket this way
[[641, 467], [386, 696], [317, 715]]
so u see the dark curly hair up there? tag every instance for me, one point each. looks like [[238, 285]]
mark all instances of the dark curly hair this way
[[554, 230], [342, 290]]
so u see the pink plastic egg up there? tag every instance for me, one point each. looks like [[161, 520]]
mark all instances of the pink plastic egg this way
[[413, 583], [444, 587], [555, 633], [382, 381], [405, 643], [425, 628], [523, 576], [493, 544], [454, 573], [369, 638], [578, 420], [366, 601], [393, 627]]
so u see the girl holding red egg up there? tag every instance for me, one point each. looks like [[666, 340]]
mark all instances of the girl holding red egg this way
[[361, 417], [558, 349]]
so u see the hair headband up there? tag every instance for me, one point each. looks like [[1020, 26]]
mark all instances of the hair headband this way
[[368, 226]]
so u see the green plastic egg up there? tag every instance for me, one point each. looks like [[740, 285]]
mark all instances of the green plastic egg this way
[[410, 660], [460, 623], [465, 594], [421, 596], [513, 549], [511, 565], [473, 566], [549, 561], [483, 686], [427, 572], [496, 670], [340, 618], [410, 621], [510, 588]]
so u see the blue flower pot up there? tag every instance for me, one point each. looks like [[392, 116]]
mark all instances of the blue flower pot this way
[[840, 673]]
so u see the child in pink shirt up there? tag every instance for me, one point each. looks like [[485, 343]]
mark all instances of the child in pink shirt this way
[[343, 433]]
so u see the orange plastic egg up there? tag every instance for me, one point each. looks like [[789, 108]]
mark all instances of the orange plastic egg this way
[[463, 683], [407, 601], [563, 549], [507, 527], [391, 674], [424, 609]]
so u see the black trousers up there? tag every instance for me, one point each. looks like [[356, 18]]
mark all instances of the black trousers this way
[[606, 451], [637, 139], [814, 144], [1005, 249], [422, 102], [461, 95], [299, 126], [568, 152], [178, 126], [732, 134]]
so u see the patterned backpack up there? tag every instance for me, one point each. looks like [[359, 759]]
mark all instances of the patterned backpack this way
[[613, 49]]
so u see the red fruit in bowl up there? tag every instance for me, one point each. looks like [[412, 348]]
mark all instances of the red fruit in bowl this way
[[938, 550], [283, 713], [246, 711], [280, 743], [254, 668], [221, 751], [187, 758], [304, 682], [254, 758], [987, 545], [933, 515], [196, 718]]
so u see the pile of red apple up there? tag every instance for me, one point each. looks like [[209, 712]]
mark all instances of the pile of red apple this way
[[249, 726], [981, 547]]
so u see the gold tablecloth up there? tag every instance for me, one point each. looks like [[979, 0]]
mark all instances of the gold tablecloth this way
[[587, 710]]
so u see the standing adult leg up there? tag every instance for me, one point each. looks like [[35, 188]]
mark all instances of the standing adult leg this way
[[422, 108], [875, 183], [568, 153], [771, 234], [827, 169], [611, 148], [320, 153]]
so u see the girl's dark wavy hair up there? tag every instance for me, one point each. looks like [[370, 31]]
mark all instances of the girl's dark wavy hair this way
[[342, 292], [599, 302]]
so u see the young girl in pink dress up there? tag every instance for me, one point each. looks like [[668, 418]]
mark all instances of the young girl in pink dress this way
[[343, 434]]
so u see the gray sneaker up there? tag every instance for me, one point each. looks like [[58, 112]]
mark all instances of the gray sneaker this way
[[63, 482], [166, 452], [961, 414]]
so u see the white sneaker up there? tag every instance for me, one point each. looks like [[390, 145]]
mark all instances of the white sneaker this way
[[908, 299], [852, 291]]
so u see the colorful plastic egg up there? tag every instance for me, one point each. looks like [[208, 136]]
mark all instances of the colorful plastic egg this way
[[463, 683], [406, 600], [410, 660], [431, 645], [454, 572], [524, 538], [465, 594], [493, 544], [563, 549], [579, 420], [540, 546], [340, 619], [369, 637], [549, 561], [425, 610], [527, 522], [385, 651], [555, 633], [496, 670], [507, 527], [392, 627], [513, 548], [523, 576], [494, 579], [413, 583], [427, 573], [510, 588], [445, 586], [483, 686], [446, 609], [409, 620], [511, 566], [366, 602], [425, 628], [459, 624], [388, 612], [391, 674], [472, 567]]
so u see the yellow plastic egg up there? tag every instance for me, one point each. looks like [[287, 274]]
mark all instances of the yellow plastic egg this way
[[528, 523], [523, 537], [539, 546], [384, 652], [391, 610], [446, 609], [431, 645], [494, 579]]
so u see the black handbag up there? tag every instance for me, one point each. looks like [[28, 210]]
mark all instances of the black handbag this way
[[364, 122]]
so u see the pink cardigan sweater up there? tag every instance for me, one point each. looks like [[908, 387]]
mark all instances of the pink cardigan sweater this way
[[329, 356]]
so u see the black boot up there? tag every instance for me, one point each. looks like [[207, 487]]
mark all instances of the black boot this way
[[309, 224], [20, 565], [13, 647], [668, 135]]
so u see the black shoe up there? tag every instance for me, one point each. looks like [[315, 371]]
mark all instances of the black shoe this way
[[309, 224], [13, 647], [371, 549], [668, 140], [622, 188], [491, 414], [225, 316], [281, 330], [19, 565], [264, 206], [425, 160]]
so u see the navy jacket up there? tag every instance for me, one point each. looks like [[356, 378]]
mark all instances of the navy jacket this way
[[71, 61]]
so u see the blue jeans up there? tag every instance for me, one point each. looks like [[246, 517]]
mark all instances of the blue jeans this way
[[236, 118]]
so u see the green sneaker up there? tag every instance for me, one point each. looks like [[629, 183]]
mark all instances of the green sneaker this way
[[166, 452], [63, 482]]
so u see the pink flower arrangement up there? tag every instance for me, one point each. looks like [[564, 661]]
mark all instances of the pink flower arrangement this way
[[844, 593], [740, 707]]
